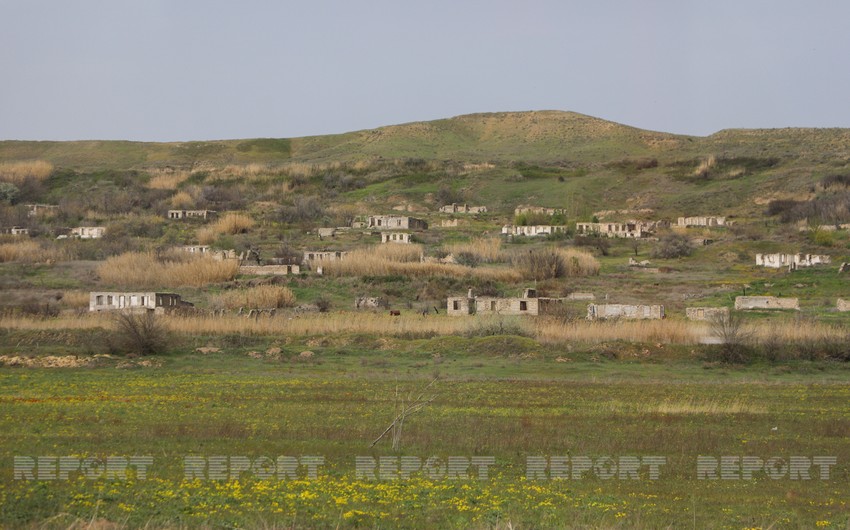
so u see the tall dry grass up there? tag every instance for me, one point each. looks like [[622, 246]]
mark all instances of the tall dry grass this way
[[182, 200], [262, 297], [232, 223], [663, 331], [388, 260], [167, 179], [143, 270], [486, 250], [75, 299], [548, 263], [34, 252], [18, 172]]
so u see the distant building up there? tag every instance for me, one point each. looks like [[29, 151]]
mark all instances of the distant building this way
[[527, 304], [462, 208], [539, 210], [136, 302], [532, 230], [191, 214], [710, 220], [88, 232], [395, 237], [395, 222], [629, 229], [706, 313], [792, 261], [766, 302]]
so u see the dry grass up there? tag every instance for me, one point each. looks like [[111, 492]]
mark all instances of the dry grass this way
[[262, 296], [18, 172], [182, 200], [167, 179], [487, 250], [705, 166], [33, 252], [388, 260], [663, 331], [232, 223], [579, 263], [142, 270], [75, 299]]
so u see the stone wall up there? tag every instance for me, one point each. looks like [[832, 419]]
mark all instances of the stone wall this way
[[766, 302]]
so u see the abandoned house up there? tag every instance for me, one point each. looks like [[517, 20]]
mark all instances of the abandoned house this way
[[395, 237], [191, 214], [323, 255], [88, 232], [624, 311], [527, 304], [766, 302], [462, 208], [792, 261], [709, 220], [843, 305], [706, 313], [17, 231], [34, 210], [449, 223], [519, 210], [395, 222], [532, 230], [195, 249], [629, 229], [157, 303], [370, 302]]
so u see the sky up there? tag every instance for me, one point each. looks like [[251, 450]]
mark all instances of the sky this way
[[179, 70]]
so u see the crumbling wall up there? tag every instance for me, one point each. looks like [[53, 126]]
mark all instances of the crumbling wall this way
[[766, 302], [267, 270], [370, 302], [706, 313], [532, 230], [706, 220], [395, 237], [792, 261], [625, 311]]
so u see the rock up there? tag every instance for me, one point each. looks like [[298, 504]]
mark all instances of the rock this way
[[305, 354]]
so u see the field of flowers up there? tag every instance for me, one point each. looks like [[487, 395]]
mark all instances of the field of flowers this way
[[251, 409]]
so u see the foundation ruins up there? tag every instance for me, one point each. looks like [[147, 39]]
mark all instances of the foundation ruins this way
[[136, 302]]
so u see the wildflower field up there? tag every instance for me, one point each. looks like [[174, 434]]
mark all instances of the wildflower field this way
[[265, 414]]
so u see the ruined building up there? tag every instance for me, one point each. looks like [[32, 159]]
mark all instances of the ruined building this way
[[791, 261], [157, 303], [395, 222], [710, 220], [706, 313], [395, 237], [462, 208], [527, 304], [629, 229], [532, 230], [191, 214]]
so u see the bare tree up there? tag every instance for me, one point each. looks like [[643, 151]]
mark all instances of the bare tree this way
[[140, 333], [732, 334], [406, 406]]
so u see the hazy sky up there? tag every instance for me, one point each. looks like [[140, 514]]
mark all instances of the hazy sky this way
[[164, 70]]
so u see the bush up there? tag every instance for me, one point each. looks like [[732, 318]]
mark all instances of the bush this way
[[602, 244], [303, 209], [8, 192], [139, 333], [672, 246], [467, 259], [555, 263], [732, 335]]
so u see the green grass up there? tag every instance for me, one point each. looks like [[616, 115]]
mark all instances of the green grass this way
[[503, 406]]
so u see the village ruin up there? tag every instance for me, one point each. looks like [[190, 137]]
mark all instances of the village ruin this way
[[707, 221], [395, 222], [629, 229], [462, 208], [526, 304], [532, 230], [191, 214], [86, 232], [136, 302], [706, 313], [395, 237]]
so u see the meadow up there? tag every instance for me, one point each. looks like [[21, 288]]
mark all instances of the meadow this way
[[332, 404]]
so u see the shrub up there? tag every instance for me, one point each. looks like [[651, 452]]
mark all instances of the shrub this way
[[672, 246], [8, 192], [549, 263], [139, 333], [732, 336], [303, 209], [602, 244]]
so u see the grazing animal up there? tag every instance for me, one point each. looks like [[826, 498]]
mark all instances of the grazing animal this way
[[395, 313]]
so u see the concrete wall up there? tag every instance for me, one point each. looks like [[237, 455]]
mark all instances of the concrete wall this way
[[369, 302], [395, 237], [266, 270], [324, 255], [532, 230], [766, 302], [459, 305], [702, 221], [706, 313], [462, 208], [395, 222], [519, 210], [626, 230], [191, 214], [778, 261], [134, 301], [88, 232], [581, 296], [195, 249], [626, 311]]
